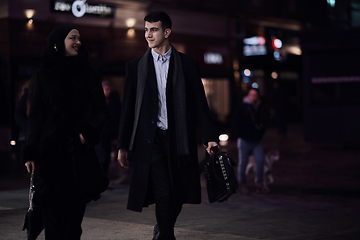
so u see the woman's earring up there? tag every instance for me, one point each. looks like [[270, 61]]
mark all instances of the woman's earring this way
[[55, 48]]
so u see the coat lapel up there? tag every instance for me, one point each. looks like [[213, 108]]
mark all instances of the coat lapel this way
[[151, 77], [178, 81], [170, 78], [142, 70]]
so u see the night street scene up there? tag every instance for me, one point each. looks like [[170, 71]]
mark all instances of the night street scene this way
[[119, 119]]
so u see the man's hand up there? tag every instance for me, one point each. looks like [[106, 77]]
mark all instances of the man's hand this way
[[123, 158], [82, 139], [29, 165], [210, 145]]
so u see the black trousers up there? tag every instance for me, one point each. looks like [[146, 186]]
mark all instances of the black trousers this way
[[166, 208], [63, 220]]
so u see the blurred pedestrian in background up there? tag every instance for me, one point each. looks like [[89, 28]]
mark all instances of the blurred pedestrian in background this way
[[249, 126], [22, 111], [60, 145], [109, 134]]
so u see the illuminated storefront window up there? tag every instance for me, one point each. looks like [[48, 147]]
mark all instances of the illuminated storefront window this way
[[217, 94]]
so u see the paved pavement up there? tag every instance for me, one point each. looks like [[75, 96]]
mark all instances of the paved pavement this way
[[316, 195]]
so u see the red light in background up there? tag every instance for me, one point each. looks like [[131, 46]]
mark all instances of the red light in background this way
[[261, 40]]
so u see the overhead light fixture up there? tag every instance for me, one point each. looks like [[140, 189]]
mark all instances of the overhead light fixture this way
[[130, 22], [29, 13]]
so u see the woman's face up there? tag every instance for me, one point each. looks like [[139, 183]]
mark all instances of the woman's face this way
[[72, 43]]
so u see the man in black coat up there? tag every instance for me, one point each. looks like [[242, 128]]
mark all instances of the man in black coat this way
[[163, 102]]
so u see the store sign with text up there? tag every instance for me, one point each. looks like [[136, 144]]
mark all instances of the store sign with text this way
[[255, 46], [213, 58], [79, 8]]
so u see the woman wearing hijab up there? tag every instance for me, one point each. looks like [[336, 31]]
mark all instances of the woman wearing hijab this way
[[61, 140]]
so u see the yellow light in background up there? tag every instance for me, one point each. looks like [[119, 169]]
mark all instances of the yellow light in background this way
[[294, 50], [236, 65], [130, 22], [244, 86], [30, 24], [237, 74], [131, 33], [29, 13], [12, 142]]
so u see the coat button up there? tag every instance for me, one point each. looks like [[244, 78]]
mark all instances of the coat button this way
[[152, 121], [149, 141], [155, 102]]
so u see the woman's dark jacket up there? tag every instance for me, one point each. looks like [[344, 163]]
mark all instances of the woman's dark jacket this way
[[65, 168], [249, 122], [20, 115]]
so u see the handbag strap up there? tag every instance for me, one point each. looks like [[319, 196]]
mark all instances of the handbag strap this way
[[31, 190]]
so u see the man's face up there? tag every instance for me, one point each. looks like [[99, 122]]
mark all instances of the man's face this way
[[253, 96], [155, 35]]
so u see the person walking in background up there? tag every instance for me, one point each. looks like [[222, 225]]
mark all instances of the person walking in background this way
[[163, 102], [111, 128], [60, 145], [249, 125]]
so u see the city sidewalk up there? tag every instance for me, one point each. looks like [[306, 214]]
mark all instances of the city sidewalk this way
[[316, 195]]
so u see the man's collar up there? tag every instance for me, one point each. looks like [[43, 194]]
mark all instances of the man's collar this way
[[158, 57]]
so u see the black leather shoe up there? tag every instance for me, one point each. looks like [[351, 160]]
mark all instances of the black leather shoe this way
[[156, 232]]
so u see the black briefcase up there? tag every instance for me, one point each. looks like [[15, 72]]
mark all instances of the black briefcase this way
[[221, 181]]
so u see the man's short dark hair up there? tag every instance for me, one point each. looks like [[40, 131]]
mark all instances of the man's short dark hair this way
[[161, 16]]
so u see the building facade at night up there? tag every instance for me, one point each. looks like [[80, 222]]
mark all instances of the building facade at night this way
[[238, 43]]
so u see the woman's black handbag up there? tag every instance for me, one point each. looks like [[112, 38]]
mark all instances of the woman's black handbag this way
[[221, 181], [33, 221]]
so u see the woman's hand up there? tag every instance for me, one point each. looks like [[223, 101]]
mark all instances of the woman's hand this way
[[82, 139], [29, 165]]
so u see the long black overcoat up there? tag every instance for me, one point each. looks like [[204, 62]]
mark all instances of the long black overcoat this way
[[184, 171], [65, 168]]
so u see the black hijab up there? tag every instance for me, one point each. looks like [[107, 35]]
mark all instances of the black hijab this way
[[56, 39], [54, 57], [67, 72]]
